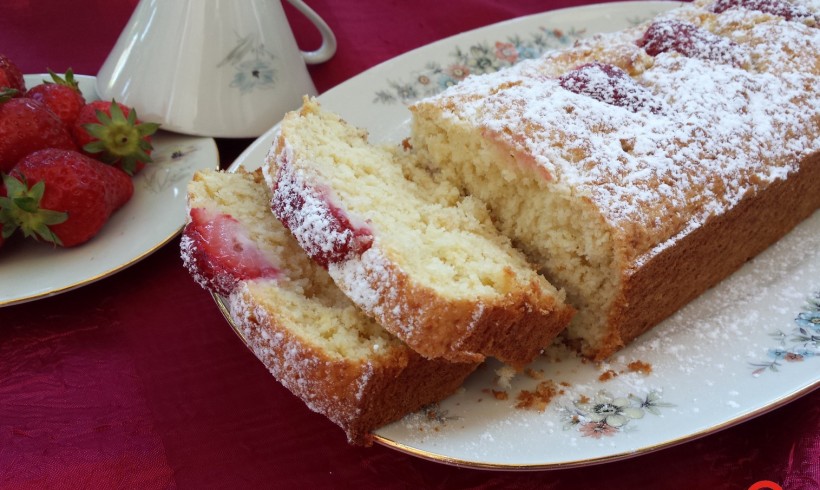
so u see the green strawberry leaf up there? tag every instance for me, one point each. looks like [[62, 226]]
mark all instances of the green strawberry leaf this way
[[147, 128], [119, 139], [21, 209], [67, 79], [6, 94]]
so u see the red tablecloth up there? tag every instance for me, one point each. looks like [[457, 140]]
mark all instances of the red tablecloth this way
[[137, 381]]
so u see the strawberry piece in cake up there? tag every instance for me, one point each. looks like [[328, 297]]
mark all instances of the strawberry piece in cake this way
[[609, 84], [322, 228], [787, 10], [690, 40], [221, 251]]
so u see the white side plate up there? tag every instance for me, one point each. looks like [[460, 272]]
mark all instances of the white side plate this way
[[31, 270]]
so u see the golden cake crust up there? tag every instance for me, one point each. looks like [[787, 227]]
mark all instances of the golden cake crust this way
[[514, 328], [698, 261], [357, 395]]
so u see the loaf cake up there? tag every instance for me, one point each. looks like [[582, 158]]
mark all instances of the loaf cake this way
[[310, 336], [637, 169], [434, 273]]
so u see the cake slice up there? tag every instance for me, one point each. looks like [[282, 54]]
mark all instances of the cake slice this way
[[639, 168], [433, 272], [310, 336]]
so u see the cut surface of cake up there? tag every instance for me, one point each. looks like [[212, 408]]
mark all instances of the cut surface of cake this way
[[310, 336], [434, 272], [634, 180]]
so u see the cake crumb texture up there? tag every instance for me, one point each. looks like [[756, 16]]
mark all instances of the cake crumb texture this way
[[635, 206]]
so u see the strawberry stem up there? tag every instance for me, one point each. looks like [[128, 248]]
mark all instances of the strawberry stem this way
[[67, 79], [119, 138], [6, 94], [20, 208]]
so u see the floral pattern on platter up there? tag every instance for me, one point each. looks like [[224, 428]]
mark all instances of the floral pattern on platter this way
[[480, 58], [168, 168], [602, 415], [606, 415], [434, 413], [803, 341], [484, 57], [253, 65], [430, 418]]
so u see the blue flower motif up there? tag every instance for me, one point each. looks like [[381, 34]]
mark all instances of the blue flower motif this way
[[528, 52], [806, 352], [445, 81], [809, 319], [801, 343], [253, 74], [777, 353]]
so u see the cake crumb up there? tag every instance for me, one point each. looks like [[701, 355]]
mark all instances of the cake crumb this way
[[534, 374], [607, 375], [497, 394], [505, 374], [538, 399], [639, 367]]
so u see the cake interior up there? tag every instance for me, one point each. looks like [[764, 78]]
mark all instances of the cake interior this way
[[561, 232], [445, 241], [303, 298]]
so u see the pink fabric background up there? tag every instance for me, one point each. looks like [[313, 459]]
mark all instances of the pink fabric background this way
[[137, 381]]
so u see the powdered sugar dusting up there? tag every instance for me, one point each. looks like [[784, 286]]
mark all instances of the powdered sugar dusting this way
[[724, 132], [319, 227], [773, 44], [782, 8], [666, 35], [364, 279], [611, 85], [285, 357], [186, 248], [368, 280]]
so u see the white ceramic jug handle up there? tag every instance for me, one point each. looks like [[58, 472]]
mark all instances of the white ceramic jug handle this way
[[328, 47]]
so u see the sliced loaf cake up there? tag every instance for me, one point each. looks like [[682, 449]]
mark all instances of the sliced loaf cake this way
[[434, 273], [310, 336]]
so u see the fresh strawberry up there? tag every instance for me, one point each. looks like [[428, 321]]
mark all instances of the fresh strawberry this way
[[219, 253], [62, 95], [63, 196], [7, 226], [27, 125], [10, 76], [112, 133]]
